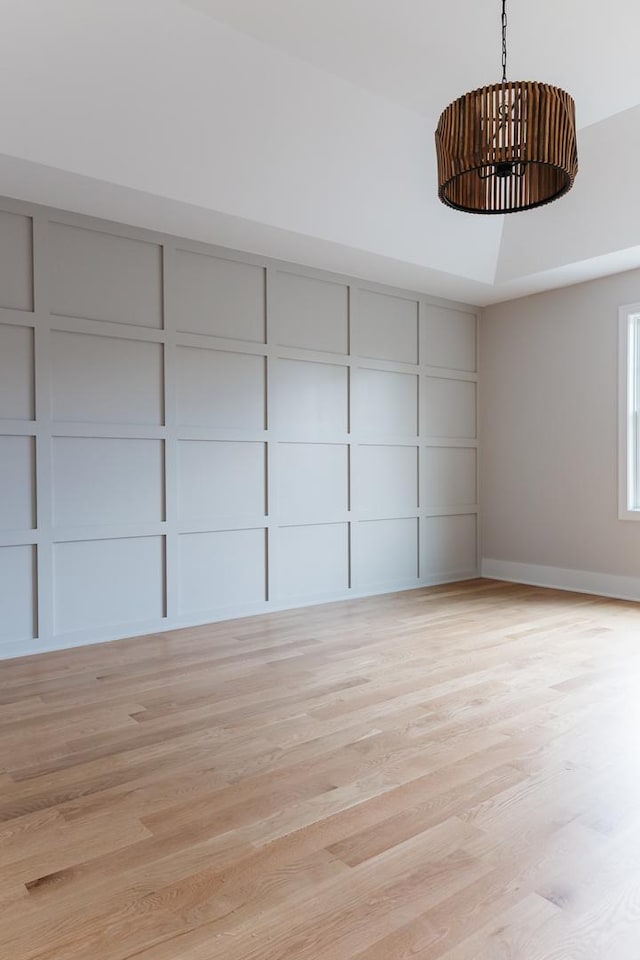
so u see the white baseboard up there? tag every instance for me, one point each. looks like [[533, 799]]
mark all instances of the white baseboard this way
[[560, 578]]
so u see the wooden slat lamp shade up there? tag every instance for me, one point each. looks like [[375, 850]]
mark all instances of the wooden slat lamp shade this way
[[507, 147]]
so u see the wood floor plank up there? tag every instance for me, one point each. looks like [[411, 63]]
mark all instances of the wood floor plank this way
[[445, 774]]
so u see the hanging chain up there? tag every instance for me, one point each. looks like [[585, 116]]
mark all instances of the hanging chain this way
[[504, 41]]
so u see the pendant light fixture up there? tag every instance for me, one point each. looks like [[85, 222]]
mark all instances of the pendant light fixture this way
[[507, 147]]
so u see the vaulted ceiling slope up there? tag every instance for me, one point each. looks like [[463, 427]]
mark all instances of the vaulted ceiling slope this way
[[304, 130]]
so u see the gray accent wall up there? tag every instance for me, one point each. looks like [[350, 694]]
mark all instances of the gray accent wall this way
[[189, 434]]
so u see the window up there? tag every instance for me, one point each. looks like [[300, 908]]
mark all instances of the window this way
[[629, 416]]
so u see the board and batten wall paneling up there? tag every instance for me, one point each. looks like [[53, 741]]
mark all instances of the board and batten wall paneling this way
[[190, 434]]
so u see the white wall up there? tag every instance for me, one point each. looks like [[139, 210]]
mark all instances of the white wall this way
[[549, 427], [189, 434]]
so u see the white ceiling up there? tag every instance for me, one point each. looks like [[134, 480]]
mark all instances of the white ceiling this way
[[421, 54], [303, 129]]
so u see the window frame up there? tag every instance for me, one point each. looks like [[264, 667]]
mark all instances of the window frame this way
[[629, 413]]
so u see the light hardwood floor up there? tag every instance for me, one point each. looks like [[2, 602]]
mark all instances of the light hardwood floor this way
[[449, 773]]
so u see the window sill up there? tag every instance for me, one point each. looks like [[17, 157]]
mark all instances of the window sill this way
[[633, 515]]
